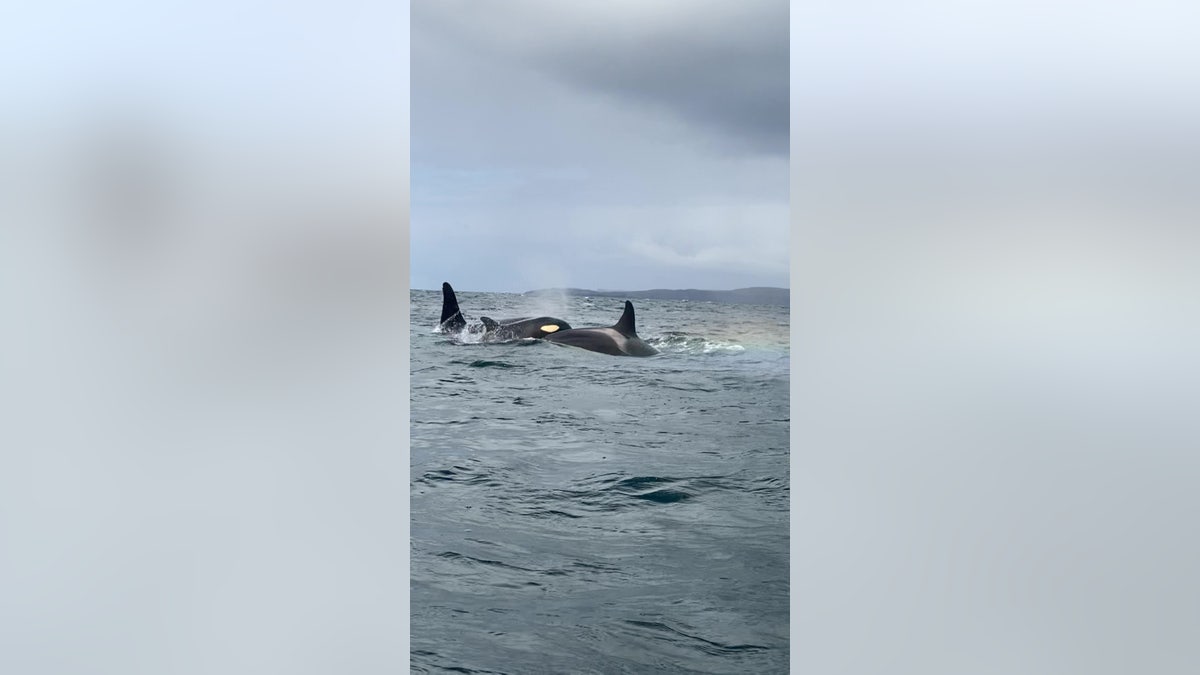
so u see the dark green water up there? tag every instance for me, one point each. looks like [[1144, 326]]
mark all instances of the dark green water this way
[[574, 512]]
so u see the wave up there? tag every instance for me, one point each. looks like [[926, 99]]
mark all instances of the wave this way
[[687, 343]]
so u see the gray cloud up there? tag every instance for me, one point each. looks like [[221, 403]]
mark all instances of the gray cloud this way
[[722, 66], [731, 76], [612, 145]]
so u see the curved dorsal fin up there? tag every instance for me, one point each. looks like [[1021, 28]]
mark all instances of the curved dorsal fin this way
[[625, 325], [451, 318], [489, 323]]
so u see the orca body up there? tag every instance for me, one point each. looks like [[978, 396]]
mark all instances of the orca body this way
[[519, 329], [620, 339], [495, 331]]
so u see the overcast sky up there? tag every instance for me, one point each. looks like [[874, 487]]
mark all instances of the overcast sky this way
[[609, 145]]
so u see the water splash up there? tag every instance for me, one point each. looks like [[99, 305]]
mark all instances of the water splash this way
[[686, 343]]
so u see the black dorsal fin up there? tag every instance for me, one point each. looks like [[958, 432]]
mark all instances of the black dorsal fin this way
[[452, 319], [625, 325], [489, 323]]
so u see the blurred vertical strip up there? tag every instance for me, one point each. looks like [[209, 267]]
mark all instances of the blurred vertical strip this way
[[203, 345], [995, 211]]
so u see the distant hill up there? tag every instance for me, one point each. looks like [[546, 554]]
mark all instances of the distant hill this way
[[759, 295]]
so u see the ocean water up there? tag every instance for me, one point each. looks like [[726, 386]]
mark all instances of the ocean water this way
[[575, 512]]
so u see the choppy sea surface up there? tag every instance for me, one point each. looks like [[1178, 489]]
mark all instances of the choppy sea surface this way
[[575, 512]]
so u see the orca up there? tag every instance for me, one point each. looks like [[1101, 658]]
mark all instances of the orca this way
[[519, 329], [620, 339], [452, 319], [495, 331]]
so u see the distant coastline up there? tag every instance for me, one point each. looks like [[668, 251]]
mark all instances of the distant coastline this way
[[758, 295]]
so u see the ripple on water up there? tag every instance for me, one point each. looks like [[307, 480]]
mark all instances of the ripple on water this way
[[575, 512]]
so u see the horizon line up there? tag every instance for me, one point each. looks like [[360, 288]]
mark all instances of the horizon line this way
[[607, 290]]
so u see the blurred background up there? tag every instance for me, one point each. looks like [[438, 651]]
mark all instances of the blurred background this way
[[203, 368], [994, 211]]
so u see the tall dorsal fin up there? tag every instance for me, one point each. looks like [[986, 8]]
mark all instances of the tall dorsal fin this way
[[452, 319], [625, 325]]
